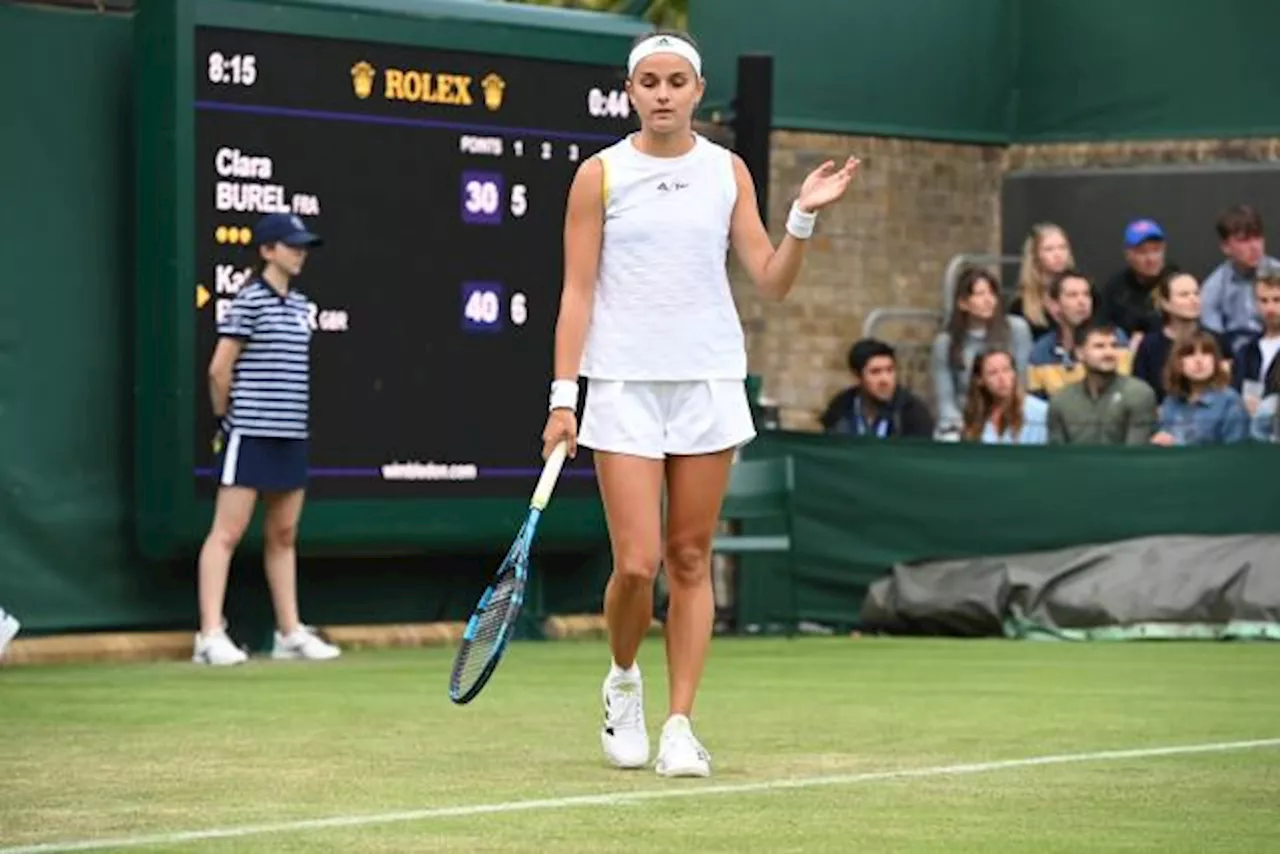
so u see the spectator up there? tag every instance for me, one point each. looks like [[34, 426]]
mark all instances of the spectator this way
[[1226, 299], [998, 411], [978, 322], [1104, 408], [1179, 300], [1129, 297], [876, 405], [1046, 253], [9, 627], [1053, 356], [1257, 357], [1264, 426], [1202, 408]]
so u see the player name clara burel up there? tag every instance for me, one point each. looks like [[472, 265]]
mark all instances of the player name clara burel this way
[[258, 194]]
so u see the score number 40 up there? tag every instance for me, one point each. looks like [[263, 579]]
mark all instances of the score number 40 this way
[[482, 307]]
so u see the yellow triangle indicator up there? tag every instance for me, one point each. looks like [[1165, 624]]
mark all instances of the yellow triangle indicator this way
[[202, 296]]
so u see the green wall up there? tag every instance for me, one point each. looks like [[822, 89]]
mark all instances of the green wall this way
[[1006, 71], [66, 184], [1091, 69], [939, 69]]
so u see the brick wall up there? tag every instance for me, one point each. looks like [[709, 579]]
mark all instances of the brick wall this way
[[914, 205], [1141, 152]]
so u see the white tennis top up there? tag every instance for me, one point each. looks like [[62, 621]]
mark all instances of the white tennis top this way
[[663, 309]]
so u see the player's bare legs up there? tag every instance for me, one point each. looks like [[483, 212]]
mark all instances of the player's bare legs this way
[[280, 555], [233, 508], [695, 490], [280, 558], [631, 490]]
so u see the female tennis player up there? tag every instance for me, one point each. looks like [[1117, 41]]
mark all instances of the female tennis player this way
[[259, 385], [646, 314]]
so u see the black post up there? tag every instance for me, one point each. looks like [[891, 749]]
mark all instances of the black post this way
[[753, 120]]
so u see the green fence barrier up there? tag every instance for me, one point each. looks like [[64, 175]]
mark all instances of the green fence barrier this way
[[861, 506]]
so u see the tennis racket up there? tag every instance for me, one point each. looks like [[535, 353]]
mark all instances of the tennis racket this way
[[492, 623]]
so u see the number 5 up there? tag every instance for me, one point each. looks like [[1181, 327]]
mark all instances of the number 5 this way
[[519, 200]]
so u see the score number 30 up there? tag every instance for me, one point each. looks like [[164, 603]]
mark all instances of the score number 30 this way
[[482, 307], [482, 194]]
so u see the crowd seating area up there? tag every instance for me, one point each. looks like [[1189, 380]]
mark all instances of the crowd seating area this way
[[1152, 354]]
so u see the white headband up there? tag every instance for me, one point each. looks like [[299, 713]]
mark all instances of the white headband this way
[[664, 44]]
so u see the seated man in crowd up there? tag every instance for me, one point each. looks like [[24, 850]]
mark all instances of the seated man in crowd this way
[[1053, 356], [876, 406], [1128, 297], [1105, 407], [1256, 359], [1226, 296]]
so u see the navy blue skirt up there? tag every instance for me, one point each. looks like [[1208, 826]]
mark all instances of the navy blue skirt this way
[[263, 463]]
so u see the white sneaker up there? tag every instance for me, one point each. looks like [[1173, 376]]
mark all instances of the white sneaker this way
[[623, 736], [218, 650], [9, 627], [303, 642], [680, 754]]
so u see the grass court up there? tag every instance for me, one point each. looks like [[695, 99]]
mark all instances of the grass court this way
[[818, 745]]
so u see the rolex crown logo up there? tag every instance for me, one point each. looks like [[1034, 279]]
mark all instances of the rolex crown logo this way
[[362, 74], [493, 86]]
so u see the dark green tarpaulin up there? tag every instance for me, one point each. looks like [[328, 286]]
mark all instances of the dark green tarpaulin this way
[[1167, 587], [862, 507]]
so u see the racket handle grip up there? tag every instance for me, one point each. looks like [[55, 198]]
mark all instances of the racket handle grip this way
[[550, 472]]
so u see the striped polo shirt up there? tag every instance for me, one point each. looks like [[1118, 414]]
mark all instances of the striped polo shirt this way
[[270, 386]]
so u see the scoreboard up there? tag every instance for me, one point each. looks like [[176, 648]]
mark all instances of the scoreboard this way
[[438, 180], [437, 172]]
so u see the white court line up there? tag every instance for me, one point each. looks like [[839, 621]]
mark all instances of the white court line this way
[[692, 790]]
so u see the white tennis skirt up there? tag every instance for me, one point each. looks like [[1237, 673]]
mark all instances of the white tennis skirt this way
[[661, 419]]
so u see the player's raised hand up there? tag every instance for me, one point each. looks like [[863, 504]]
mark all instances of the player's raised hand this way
[[562, 426], [826, 184]]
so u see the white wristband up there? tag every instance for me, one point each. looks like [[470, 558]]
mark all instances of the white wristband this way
[[800, 224], [564, 395]]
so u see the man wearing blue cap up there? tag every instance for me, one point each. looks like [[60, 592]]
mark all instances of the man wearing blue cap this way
[[1128, 297], [259, 387]]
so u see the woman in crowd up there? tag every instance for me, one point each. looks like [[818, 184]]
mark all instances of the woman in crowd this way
[[1200, 407], [978, 322], [1178, 299], [998, 410], [1045, 253]]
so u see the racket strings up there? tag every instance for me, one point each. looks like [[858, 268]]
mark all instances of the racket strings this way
[[490, 624]]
